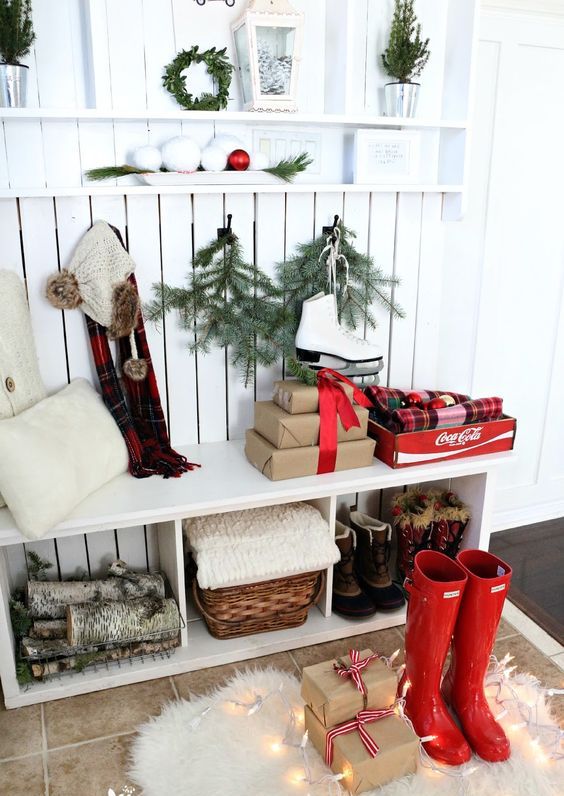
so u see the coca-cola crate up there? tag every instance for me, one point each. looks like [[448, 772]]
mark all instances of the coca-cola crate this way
[[441, 444]]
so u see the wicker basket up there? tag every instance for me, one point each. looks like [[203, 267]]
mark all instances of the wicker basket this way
[[259, 607]]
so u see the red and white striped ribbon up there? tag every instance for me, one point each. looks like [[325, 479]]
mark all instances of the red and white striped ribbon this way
[[362, 718], [355, 669]]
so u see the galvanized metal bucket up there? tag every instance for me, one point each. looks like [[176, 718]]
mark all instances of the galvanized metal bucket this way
[[13, 85], [401, 99]]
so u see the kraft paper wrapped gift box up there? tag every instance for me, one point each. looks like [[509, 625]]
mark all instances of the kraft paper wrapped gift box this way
[[284, 430], [334, 699], [298, 398], [295, 462], [396, 758]]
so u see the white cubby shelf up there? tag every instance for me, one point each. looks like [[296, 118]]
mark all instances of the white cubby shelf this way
[[225, 482]]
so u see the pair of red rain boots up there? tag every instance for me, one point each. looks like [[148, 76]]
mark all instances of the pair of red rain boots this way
[[459, 601]]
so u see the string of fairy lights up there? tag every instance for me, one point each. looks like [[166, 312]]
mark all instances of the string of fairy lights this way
[[502, 684]]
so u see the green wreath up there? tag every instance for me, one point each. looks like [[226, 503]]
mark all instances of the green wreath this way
[[217, 66]]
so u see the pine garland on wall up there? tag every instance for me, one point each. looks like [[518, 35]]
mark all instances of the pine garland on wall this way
[[229, 302]]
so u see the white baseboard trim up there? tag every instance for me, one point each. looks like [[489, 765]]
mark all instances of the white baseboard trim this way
[[514, 518]]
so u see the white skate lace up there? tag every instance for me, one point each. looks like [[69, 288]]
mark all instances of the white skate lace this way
[[334, 258]]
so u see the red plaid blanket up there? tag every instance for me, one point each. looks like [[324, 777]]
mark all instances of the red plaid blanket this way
[[388, 412]]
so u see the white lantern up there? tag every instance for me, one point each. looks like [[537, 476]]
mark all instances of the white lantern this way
[[268, 43]]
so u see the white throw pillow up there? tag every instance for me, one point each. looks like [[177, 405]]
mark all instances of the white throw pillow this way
[[20, 382], [55, 454]]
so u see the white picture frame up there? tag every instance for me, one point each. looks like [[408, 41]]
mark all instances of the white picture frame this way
[[386, 156]]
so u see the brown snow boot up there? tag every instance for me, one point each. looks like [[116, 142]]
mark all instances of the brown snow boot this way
[[371, 561], [348, 598]]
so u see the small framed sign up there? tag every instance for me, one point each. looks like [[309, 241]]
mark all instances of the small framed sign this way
[[386, 156]]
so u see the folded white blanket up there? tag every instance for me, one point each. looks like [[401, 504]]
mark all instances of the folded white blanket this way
[[241, 547]]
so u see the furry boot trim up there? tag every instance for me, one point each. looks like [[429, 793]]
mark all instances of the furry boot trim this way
[[62, 291], [125, 309]]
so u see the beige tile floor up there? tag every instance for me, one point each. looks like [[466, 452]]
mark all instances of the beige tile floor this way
[[79, 746]]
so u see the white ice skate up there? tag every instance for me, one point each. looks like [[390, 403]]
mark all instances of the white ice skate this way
[[321, 342]]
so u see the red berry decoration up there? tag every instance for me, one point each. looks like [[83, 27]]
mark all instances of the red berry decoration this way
[[435, 403], [396, 511], [414, 399], [239, 160]]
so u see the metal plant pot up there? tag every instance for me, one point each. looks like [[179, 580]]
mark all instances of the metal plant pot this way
[[13, 85], [401, 99]]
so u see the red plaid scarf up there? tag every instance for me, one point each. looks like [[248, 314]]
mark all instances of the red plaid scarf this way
[[138, 412]]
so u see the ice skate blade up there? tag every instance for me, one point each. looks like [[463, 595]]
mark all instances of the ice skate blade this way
[[318, 360]]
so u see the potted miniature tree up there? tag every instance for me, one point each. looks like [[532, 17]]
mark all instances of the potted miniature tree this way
[[405, 58], [16, 38]]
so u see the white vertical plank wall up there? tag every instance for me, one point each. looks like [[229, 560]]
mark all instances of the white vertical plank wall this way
[[202, 395]]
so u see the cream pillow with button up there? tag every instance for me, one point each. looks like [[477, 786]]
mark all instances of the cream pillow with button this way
[[20, 382], [55, 454]]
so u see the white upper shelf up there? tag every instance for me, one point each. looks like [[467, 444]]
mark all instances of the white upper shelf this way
[[108, 189], [249, 117]]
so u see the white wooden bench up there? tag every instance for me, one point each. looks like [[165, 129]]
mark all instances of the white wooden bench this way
[[225, 482]]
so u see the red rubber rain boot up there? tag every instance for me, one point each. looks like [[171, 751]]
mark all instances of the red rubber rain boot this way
[[474, 636], [435, 589]]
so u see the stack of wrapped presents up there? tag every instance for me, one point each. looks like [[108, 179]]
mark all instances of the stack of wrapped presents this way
[[352, 721], [285, 440]]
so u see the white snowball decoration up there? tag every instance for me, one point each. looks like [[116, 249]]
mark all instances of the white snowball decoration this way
[[259, 161], [227, 142], [181, 154], [214, 158], [148, 158]]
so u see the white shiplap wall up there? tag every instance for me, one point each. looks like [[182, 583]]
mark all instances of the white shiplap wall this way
[[502, 326], [203, 397]]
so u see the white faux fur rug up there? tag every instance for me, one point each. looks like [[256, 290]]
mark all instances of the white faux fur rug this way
[[227, 752]]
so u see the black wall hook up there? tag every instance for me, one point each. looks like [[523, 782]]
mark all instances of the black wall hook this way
[[222, 231], [330, 230]]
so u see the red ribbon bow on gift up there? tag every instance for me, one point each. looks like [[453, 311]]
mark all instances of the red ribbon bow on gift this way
[[333, 403], [362, 718], [355, 669]]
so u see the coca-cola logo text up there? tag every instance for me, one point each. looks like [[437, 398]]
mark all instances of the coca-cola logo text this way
[[459, 437]]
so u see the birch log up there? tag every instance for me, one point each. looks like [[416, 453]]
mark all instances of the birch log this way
[[49, 599], [146, 618], [41, 669], [49, 628]]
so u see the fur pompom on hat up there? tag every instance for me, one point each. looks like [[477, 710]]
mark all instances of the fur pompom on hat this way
[[99, 264]]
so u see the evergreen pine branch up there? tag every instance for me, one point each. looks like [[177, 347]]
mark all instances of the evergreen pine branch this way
[[301, 372], [37, 566], [109, 172], [287, 169]]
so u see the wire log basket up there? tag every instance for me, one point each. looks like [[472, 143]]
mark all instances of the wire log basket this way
[[259, 607]]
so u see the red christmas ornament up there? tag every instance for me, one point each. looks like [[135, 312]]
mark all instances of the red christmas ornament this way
[[435, 403], [239, 160], [414, 399]]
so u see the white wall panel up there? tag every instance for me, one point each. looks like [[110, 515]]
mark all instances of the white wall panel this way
[[501, 328], [55, 65], [11, 254], [145, 248], [270, 249], [41, 260], [212, 388], [176, 248], [406, 268], [381, 246]]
